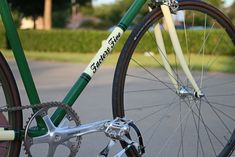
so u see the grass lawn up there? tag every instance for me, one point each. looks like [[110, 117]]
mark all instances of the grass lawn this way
[[215, 63]]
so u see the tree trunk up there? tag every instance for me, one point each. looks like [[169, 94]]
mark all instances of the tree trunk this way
[[47, 14]]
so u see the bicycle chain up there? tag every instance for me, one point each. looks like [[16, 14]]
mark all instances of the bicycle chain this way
[[21, 108], [38, 107]]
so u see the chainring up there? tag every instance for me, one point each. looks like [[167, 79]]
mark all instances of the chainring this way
[[71, 116]]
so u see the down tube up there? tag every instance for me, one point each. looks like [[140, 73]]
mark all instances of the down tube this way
[[101, 55]]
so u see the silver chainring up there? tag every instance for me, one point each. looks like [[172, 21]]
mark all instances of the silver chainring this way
[[50, 138]]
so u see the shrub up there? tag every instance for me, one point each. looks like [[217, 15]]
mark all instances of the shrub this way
[[86, 41]]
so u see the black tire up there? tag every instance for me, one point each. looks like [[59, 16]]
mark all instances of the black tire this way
[[128, 100], [11, 120]]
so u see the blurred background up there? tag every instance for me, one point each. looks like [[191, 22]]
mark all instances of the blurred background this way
[[89, 14], [49, 27]]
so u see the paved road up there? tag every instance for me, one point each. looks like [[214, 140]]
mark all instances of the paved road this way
[[53, 81]]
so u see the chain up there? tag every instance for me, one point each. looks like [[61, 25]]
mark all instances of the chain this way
[[20, 108], [37, 106]]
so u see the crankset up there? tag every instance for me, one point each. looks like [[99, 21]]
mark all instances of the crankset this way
[[67, 135], [53, 137]]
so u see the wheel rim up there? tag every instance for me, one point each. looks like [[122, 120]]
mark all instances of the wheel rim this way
[[195, 126]]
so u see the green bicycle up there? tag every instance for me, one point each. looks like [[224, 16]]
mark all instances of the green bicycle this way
[[195, 118]]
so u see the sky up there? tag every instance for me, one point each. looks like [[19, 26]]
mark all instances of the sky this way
[[228, 2], [99, 2]]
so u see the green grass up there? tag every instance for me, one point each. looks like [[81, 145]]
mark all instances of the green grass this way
[[222, 63]]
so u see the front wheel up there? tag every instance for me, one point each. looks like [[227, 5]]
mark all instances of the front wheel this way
[[174, 122]]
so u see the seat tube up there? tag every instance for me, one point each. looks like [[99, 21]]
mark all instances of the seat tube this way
[[16, 46], [19, 55]]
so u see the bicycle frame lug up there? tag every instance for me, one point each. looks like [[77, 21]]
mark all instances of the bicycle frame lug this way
[[173, 4]]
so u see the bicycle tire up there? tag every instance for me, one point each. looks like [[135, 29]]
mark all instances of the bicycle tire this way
[[120, 99], [10, 120]]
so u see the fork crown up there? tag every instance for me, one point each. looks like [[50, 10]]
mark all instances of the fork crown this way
[[173, 4]]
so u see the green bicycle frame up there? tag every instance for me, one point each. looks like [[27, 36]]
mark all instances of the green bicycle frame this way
[[85, 77]]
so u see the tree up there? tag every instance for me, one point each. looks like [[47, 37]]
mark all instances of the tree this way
[[114, 12], [44, 8], [83, 2], [231, 12], [217, 3], [47, 14], [28, 7]]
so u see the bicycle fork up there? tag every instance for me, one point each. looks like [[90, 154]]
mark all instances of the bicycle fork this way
[[179, 54]]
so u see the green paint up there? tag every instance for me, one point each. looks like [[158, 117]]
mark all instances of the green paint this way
[[78, 87], [14, 40], [17, 49], [131, 14], [71, 97]]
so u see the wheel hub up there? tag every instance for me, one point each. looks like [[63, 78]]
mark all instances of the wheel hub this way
[[186, 92]]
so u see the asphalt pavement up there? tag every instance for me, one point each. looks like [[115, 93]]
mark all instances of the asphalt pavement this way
[[53, 80]]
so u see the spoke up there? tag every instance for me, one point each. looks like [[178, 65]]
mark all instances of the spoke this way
[[166, 58], [206, 129], [153, 75], [221, 95], [209, 64], [203, 51], [158, 122], [200, 115], [140, 77], [183, 134], [174, 131], [176, 72], [145, 78], [198, 131], [225, 114], [213, 109], [216, 103], [153, 113], [146, 90], [206, 38], [196, 126], [217, 85], [181, 147], [146, 107]]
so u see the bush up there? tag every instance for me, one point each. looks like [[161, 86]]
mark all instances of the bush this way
[[86, 41]]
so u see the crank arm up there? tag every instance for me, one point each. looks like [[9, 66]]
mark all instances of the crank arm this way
[[106, 150]]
